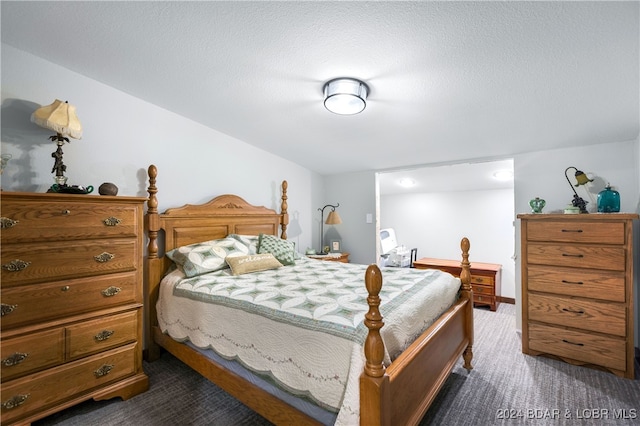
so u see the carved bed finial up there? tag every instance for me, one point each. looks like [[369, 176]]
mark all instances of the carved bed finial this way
[[373, 345], [467, 292], [152, 213], [284, 210]]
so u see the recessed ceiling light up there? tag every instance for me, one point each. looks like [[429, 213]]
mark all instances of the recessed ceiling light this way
[[503, 175], [407, 182]]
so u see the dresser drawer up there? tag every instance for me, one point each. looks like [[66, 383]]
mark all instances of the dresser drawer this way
[[31, 263], [577, 256], [29, 220], [35, 303], [38, 391], [26, 354], [101, 334], [482, 279], [483, 290], [576, 232], [577, 282], [589, 315], [588, 348]]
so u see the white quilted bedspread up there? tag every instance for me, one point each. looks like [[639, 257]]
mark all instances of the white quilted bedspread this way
[[301, 326]]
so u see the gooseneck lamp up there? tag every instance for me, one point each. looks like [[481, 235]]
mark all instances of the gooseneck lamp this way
[[332, 219], [581, 179]]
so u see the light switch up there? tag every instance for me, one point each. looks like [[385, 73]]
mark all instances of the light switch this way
[[369, 218]]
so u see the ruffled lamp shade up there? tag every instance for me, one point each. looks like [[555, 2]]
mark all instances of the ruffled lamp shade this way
[[60, 117]]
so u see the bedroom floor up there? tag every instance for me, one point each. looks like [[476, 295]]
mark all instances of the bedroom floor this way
[[505, 386]]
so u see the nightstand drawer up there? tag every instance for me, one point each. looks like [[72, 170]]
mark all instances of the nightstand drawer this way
[[577, 256], [585, 347], [30, 220], [483, 289], [482, 279], [577, 282], [36, 351], [602, 317], [32, 263], [101, 334], [34, 303], [576, 232], [38, 391]]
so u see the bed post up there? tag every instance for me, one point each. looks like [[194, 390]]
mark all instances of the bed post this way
[[374, 384], [283, 210], [467, 293], [152, 224]]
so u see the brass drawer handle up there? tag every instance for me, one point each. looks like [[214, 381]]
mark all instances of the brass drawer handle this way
[[103, 335], [14, 359], [66, 212], [112, 221], [572, 282], [6, 223], [15, 401], [103, 371], [111, 291], [7, 309], [572, 343], [572, 255], [104, 257], [573, 312], [16, 265]]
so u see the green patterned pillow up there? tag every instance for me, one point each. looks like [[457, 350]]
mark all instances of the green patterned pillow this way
[[250, 241], [209, 256], [283, 250]]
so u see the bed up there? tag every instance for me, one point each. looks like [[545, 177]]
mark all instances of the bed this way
[[396, 390]]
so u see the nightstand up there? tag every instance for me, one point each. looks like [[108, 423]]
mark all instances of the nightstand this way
[[332, 257]]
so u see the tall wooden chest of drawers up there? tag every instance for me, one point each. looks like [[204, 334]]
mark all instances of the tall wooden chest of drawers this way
[[71, 283], [577, 289]]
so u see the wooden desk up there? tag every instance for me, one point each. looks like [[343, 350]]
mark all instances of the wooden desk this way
[[343, 257], [485, 278]]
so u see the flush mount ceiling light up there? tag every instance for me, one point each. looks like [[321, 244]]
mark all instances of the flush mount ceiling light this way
[[503, 175], [407, 182], [345, 96]]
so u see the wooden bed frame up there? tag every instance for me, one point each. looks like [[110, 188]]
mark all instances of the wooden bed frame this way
[[398, 394]]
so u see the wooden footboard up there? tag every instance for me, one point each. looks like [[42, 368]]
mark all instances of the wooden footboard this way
[[402, 393], [398, 394]]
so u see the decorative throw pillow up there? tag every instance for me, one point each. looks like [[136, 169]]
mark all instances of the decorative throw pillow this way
[[283, 250], [252, 263], [208, 256], [251, 241]]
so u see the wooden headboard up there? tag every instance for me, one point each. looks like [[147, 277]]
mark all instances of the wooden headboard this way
[[223, 215]]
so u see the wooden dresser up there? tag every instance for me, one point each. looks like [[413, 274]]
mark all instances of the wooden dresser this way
[[577, 287], [71, 283], [485, 278]]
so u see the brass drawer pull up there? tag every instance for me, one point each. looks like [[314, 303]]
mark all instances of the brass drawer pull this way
[[572, 230], [110, 291], [14, 359], [66, 212], [112, 221], [16, 265], [7, 309], [104, 257], [571, 343], [6, 223], [103, 335], [572, 255], [571, 311], [15, 401], [103, 371], [65, 288], [572, 282]]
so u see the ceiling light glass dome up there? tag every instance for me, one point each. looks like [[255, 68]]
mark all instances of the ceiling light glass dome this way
[[345, 96]]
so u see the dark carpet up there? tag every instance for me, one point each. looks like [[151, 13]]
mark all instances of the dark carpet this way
[[505, 387]]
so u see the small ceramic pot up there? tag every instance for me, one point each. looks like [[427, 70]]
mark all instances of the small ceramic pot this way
[[537, 204], [108, 188]]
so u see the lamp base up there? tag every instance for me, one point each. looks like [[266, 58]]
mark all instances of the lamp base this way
[[580, 203]]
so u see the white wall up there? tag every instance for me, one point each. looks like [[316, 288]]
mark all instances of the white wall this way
[[434, 223], [123, 135]]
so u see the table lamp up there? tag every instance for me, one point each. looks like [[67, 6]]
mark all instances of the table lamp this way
[[581, 179]]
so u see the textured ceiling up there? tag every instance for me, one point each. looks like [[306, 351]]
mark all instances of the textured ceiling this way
[[450, 81]]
